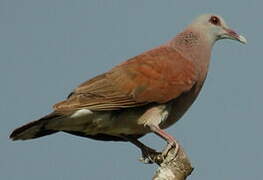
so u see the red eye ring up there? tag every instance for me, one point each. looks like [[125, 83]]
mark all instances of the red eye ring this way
[[214, 20]]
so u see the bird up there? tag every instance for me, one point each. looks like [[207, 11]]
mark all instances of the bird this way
[[144, 94]]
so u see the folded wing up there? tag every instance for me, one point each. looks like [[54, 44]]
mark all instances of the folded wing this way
[[158, 75]]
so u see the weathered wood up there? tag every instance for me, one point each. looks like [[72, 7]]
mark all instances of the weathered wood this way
[[174, 167]]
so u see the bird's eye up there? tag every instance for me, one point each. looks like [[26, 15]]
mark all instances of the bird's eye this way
[[214, 20]]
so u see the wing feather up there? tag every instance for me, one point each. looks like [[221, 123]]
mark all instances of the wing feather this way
[[158, 75]]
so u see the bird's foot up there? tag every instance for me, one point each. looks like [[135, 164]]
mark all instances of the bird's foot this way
[[171, 146], [171, 141], [150, 156]]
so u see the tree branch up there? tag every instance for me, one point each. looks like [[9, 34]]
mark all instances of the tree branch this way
[[174, 167]]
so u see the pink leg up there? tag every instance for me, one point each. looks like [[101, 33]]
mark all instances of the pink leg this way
[[170, 139]]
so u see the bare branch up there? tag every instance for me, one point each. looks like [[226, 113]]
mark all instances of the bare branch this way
[[174, 167]]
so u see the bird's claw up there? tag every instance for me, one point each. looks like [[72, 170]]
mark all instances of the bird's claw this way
[[169, 147], [150, 156]]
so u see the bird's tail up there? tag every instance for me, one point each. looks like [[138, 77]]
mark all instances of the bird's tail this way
[[34, 129]]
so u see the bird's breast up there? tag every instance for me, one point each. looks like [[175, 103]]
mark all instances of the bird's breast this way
[[180, 105]]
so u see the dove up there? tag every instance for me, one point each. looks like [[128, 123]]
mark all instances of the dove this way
[[147, 93]]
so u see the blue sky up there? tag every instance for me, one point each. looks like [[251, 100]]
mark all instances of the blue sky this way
[[49, 47]]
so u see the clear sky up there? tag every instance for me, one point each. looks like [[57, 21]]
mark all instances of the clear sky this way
[[49, 47]]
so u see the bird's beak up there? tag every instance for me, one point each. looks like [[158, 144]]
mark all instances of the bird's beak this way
[[231, 34]]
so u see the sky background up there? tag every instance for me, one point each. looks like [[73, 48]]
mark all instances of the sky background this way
[[49, 47]]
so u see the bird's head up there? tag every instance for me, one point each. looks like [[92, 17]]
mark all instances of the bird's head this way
[[215, 28]]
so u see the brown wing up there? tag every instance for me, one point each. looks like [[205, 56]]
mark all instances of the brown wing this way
[[158, 75]]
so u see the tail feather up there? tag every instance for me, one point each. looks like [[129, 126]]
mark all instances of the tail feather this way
[[34, 129]]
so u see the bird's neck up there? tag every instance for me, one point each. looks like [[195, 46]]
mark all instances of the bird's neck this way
[[194, 46]]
